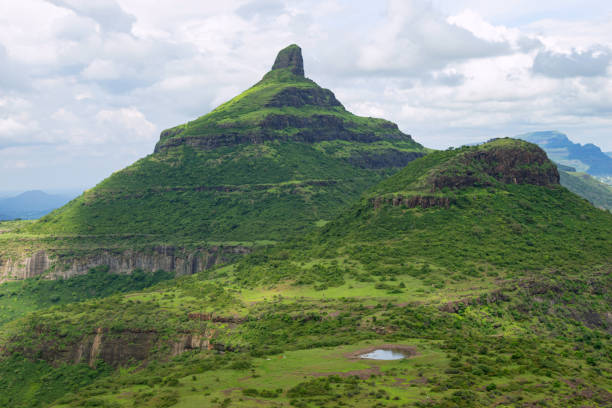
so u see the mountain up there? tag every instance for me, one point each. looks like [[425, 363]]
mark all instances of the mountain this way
[[277, 160], [491, 279], [31, 204], [586, 158]]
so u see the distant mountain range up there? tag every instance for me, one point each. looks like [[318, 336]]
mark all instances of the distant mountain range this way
[[31, 204], [586, 158]]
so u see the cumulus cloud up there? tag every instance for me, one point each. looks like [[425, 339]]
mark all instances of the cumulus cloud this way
[[500, 34], [102, 69], [259, 8], [107, 13], [449, 77], [126, 124], [20, 130], [12, 76], [122, 62], [415, 38], [10, 128], [588, 63]]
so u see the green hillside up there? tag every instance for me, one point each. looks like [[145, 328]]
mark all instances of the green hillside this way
[[492, 279], [272, 161]]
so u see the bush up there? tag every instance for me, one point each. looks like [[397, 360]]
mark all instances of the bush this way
[[312, 388]]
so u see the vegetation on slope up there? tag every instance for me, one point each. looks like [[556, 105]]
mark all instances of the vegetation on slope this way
[[21, 297], [502, 291], [241, 193], [518, 228]]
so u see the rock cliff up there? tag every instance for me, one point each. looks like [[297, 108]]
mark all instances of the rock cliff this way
[[411, 202], [116, 348], [167, 258], [290, 57], [510, 163]]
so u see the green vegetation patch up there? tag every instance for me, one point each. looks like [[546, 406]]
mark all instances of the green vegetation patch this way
[[20, 297]]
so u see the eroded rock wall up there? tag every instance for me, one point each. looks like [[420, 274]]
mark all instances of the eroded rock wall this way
[[312, 129], [167, 258], [411, 202], [117, 348]]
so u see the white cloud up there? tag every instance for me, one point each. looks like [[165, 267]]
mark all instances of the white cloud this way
[[593, 62], [101, 70], [9, 127], [12, 76], [107, 13], [126, 124], [415, 38]]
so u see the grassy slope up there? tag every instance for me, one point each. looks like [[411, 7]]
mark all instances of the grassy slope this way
[[21, 297], [246, 111], [265, 182], [503, 295]]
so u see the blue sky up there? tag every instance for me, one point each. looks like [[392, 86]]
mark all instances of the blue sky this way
[[87, 86]]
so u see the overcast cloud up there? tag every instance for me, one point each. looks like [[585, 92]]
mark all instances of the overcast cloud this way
[[86, 86]]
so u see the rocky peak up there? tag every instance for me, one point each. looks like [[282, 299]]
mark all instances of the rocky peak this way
[[506, 160], [290, 57]]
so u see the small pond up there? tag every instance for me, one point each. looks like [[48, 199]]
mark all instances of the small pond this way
[[383, 355]]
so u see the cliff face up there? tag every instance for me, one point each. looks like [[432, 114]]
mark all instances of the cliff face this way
[[411, 202], [312, 129], [167, 258], [298, 97], [291, 58], [273, 126], [117, 348]]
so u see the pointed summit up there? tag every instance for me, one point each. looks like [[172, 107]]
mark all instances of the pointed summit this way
[[290, 57]]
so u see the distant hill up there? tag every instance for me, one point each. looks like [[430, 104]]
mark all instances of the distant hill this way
[[583, 184], [31, 205], [597, 192], [586, 158]]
